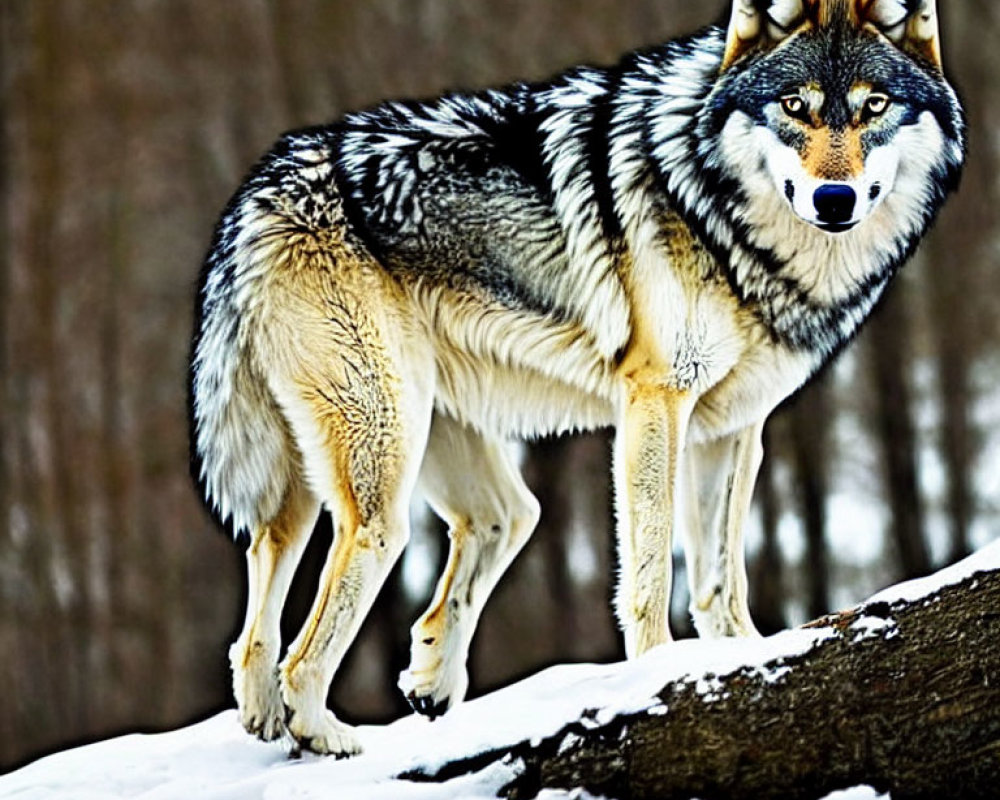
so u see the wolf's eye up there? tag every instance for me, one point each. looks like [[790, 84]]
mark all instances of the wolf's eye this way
[[875, 106], [795, 107]]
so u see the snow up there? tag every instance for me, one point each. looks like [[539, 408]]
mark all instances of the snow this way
[[983, 560], [857, 793], [871, 627], [216, 760], [868, 626]]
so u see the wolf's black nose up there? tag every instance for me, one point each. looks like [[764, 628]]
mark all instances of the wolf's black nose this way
[[834, 203]]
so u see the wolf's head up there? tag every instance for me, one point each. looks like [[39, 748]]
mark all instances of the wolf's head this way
[[831, 106]]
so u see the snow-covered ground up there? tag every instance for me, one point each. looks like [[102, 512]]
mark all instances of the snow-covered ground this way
[[216, 760]]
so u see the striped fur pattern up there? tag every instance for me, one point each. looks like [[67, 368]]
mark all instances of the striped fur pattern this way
[[671, 246]]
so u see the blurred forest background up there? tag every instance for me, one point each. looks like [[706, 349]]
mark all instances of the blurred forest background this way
[[124, 127]]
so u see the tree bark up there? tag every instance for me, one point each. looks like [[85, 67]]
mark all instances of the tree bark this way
[[900, 695]]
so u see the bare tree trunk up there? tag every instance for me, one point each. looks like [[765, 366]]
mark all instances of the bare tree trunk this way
[[959, 268], [954, 362], [897, 438], [9, 628], [767, 582], [34, 502], [810, 417], [549, 465]]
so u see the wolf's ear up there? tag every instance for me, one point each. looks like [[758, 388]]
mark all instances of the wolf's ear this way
[[762, 23], [910, 24]]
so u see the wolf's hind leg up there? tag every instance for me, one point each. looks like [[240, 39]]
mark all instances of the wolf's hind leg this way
[[272, 557], [474, 485], [721, 481], [362, 433]]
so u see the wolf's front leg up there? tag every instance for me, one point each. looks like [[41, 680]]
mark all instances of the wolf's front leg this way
[[721, 480], [272, 557], [648, 451]]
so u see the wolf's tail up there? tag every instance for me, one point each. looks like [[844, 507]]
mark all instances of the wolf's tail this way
[[242, 453]]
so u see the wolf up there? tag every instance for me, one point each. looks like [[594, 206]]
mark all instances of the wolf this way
[[671, 246]]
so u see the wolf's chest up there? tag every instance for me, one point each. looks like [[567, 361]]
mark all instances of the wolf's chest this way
[[691, 327]]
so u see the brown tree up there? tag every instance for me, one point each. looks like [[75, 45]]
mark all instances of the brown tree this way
[[894, 414]]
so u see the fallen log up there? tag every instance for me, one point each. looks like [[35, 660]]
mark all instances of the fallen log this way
[[901, 693]]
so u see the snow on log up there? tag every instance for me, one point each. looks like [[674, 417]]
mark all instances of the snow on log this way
[[901, 693]]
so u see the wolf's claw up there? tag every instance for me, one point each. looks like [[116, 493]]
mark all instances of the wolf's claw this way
[[426, 706]]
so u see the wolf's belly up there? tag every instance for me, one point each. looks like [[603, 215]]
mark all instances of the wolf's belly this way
[[516, 374], [516, 402], [522, 379], [523, 403]]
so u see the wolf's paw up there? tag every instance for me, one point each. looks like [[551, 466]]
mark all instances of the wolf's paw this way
[[323, 734], [266, 723], [308, 721], [715, 618], [433, 684], [258, 696]]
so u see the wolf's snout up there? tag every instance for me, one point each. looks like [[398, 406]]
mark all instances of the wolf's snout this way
[[834, 203]]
